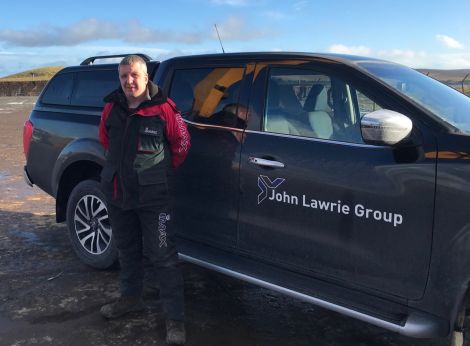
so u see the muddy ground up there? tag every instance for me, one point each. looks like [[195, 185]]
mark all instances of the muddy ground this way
[[47, 297]]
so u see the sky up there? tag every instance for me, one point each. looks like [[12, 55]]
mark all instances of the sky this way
[[416, 33]]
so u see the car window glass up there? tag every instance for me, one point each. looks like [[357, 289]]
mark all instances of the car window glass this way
[[209, 95], [92, 86], [365, 104], [307, 103], [58, 90], [443, 101]]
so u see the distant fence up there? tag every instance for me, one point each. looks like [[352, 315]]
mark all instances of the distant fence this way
[[34, 88], [23, 88], [462, 85]]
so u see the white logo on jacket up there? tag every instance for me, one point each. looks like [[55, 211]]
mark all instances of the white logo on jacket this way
[[163, 218], [151, 131]]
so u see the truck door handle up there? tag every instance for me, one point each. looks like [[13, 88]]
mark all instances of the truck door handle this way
[[266, 163]]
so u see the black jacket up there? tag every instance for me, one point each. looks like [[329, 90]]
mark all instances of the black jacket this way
[[143, 146]]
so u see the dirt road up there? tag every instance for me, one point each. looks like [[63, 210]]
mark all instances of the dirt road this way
[[47, 297]]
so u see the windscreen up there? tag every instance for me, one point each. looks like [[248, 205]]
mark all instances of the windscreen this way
[[446, 103]]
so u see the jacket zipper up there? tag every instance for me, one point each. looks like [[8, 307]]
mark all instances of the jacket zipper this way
[[128, 121]]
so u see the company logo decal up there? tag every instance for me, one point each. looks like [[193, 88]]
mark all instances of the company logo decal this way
[[268, 191], [265, 185]]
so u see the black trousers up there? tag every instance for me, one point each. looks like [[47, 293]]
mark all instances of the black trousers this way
[[147, 233]]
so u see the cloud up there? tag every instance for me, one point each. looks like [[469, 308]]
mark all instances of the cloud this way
[[353, 50], [451, 61], [409, 57], [14, 62], [405, 57], [131, 32], [401, 56], [449, 42], [235, 29], [26, 59], [135, 33], [92, 29]]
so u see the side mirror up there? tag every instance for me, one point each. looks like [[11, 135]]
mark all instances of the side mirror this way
[[385, 127]]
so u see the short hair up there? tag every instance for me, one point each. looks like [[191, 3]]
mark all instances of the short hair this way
[[133, 59]]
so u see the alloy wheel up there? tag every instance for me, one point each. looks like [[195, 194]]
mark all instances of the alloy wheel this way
[[92, 225]]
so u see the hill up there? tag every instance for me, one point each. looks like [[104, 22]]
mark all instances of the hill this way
[[46, 73], [31, 82], [447, 76], [37, 74]]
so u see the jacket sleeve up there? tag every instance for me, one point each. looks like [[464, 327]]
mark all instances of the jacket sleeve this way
[[176, 133], [103, 136]]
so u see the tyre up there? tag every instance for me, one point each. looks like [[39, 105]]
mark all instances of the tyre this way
[[89, 227]]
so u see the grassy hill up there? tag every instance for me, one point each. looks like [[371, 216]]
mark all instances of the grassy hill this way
[[457, 79], [447, 75], [37, 74], [28, 80], [46, 73]]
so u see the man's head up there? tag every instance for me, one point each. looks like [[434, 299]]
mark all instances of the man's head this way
[[133, 76]]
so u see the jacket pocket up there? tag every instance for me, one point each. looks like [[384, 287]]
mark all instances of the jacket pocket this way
[[150, 147], [153, 186]]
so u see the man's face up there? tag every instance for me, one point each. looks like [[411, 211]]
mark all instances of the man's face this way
[[133, 80]]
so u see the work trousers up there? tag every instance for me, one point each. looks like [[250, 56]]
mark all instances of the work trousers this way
[[147, 232]]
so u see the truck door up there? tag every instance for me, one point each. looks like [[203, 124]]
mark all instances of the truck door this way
[[316, 199], [207, 192]]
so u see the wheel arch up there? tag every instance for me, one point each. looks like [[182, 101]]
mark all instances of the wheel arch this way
[[81, 159], [75, 173]]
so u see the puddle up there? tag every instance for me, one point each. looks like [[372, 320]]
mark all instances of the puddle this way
[[30, 236], [16, 195]]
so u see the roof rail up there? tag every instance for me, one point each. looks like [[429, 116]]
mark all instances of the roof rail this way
[[91, 60]]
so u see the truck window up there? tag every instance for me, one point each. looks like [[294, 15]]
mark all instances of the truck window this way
[[92, 86], [208, 95], [58, 90], [303, 102]]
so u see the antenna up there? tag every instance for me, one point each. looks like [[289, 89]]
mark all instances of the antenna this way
[[220, 41]]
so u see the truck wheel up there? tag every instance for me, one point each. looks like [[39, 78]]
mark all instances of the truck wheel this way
[[89, 226]]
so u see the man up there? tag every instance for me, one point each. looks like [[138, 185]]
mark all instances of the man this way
[[145, 139]]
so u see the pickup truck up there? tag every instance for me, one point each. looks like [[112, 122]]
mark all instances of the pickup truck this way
[[340, 180]]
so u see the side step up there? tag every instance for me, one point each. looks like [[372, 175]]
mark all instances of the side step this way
[[414, 324]]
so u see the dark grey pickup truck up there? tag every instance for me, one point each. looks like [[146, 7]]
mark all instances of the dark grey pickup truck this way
[[343, 181]]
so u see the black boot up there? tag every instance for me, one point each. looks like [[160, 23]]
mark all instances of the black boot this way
[[122, 306], [175, 332]]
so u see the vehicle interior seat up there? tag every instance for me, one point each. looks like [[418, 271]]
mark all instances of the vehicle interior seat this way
[[316, 105], [289, 102], [277, 116]]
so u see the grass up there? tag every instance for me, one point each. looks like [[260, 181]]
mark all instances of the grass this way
[[466, 90], [38, 74]]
